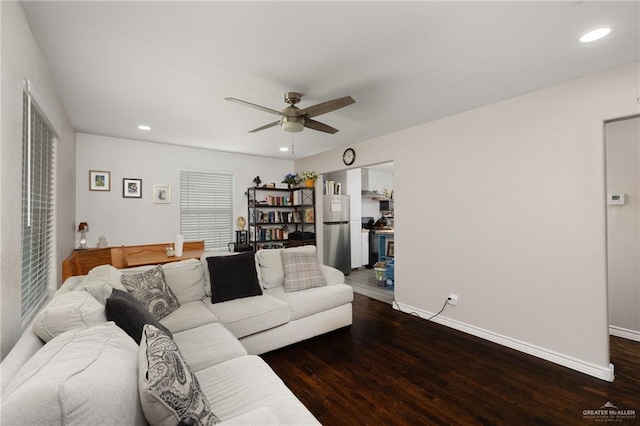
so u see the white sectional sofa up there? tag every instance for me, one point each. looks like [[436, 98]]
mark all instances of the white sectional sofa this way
[[91, 372]]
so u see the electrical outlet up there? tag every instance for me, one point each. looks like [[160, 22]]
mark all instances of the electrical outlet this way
[[453, 299]]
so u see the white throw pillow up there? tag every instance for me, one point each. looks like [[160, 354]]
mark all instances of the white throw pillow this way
[[169, 390], [68, 311], [81, 377], [100, 281], [185, 279]]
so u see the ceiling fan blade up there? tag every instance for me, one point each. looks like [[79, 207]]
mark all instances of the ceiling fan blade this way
[[316, 125], [249, 104], [266, 126], [327, 106]]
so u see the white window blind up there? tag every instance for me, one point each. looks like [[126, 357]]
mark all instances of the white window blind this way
[[38, 139], [206, 208]]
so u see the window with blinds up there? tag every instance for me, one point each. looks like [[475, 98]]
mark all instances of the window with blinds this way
[[38, 140], [206, 208]]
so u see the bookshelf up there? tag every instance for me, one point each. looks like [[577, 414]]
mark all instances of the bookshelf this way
[[279, 218]]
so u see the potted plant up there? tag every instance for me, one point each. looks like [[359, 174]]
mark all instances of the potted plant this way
[[291, 179], [309, 177]]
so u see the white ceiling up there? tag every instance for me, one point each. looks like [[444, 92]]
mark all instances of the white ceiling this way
[[171, 64]]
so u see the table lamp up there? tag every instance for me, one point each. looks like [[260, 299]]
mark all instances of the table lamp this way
[[83, 228]]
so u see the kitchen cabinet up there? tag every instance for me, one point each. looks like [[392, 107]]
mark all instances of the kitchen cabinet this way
[[364, 249]]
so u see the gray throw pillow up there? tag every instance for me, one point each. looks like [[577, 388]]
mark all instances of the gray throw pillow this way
[[150, 288], [301, 271], [169, 391], [130, 314]]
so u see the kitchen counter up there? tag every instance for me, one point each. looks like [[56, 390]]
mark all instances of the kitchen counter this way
[[383, 231]]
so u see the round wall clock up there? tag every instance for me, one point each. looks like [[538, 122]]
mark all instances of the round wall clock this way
[[349, 156]]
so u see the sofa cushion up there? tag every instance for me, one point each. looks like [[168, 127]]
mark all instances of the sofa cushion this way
[[208, 345], [301, 271], [186, 279], [258, 416], [130, 314], [233, 277], [151, 289], [271, 268], [169, 391], [189, 315], [68, 311], [314, 300], [240, 385], [251, 314], [77, 378], [100, 281], [271, 271]]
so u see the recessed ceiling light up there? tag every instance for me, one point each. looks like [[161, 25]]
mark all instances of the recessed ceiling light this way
[[143, 127], [284, 149], [594, 35]]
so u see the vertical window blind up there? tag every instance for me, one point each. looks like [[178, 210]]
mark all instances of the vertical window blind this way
[[206, 208], [38, 140]]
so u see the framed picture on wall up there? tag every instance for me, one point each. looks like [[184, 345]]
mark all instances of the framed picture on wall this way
[[131, 188], [99, 180], [161, 194]]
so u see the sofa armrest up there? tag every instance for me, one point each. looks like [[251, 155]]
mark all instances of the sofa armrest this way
[[71, 283], [258, 416], [332, 275]]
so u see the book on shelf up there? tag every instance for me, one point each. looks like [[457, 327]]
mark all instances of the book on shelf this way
[[271, 200], [332, 187], [271, 234]]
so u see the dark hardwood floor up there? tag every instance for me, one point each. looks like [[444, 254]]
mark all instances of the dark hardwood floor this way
[[396, 369]]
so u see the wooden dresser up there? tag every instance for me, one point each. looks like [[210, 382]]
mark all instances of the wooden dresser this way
[[80, 262]]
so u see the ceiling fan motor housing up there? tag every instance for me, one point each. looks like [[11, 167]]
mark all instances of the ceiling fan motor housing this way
[[292, 98]]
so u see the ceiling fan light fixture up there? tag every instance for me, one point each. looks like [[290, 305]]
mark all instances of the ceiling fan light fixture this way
[[292, 124]]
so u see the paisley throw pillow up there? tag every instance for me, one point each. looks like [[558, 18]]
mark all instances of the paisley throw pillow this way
[[169, 391], [150, 288]]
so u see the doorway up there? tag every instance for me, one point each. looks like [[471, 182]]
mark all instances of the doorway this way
[[375, 276], [622, 150]]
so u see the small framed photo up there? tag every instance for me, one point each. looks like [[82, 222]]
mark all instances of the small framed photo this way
[[131, 188], [162, 194], [99, 180], [390, 249]]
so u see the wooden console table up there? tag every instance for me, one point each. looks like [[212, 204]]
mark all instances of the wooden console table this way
[[80, 262], [159, 258]]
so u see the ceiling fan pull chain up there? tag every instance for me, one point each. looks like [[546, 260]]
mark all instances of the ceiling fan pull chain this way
[[292, 144]]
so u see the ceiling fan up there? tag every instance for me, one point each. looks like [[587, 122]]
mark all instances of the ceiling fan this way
[[294, 119]]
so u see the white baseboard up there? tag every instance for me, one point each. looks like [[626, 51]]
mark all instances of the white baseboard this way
[[603, 373], [625, 333]]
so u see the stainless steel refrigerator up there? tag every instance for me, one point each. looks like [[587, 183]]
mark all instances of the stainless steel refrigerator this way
[[336, 232]]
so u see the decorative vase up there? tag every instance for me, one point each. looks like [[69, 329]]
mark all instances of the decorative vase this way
[[309, 183], [179, 243]]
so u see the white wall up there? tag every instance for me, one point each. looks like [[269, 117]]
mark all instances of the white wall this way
[[623, 229], [511, 216], [21, 58], [130, 221]]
